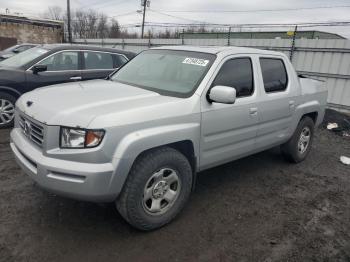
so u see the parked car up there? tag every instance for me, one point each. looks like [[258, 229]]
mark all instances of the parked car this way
[[140, 137], [13, 50], [52, 64]]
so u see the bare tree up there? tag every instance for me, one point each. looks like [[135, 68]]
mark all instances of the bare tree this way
[[115, 31], [166, 34], [102, 26], [202, 29], [79, 24], [90, 24], [54, 13]]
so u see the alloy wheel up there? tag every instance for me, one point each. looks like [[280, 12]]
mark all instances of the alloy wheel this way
[[161, 191], [304, 140], [7, 111]]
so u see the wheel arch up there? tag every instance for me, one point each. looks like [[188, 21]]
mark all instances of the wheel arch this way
[[11, 91], [312, 115], [182, 137], [185, 147], [312, 109]]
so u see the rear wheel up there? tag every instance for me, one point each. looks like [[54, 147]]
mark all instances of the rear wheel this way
[[7, 110], [158, 186], [299, 146]]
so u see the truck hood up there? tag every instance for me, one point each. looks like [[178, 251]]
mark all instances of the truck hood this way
[[77, 104]]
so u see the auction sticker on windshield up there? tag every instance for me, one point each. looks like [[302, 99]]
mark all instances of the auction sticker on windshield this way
[[195, 61]]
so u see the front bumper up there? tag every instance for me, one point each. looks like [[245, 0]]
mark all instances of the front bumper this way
[[83, 181]]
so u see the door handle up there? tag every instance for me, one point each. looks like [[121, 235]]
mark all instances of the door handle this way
[[75, 78], [291, 104], [253, 111]]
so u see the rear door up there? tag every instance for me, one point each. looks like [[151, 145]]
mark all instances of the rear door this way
[[62, 67], [276, 104], [98, 65], [228, 131]]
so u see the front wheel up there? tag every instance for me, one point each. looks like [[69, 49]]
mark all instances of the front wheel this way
[[158, 186], [7, 110], [299, 146]]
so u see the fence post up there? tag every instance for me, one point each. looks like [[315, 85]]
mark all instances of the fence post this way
[[149, 41], [123, 44], [292, 48], [229, 36], [182, 36]]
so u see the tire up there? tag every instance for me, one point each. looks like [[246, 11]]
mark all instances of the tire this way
[[7, 110], [293, 151], [145, 182]]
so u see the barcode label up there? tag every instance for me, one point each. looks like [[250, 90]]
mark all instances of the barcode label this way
[[195, 61]]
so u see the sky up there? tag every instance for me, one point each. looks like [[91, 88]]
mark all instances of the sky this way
[[125, 11]]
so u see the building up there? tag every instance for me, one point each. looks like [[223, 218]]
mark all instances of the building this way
[[18, 29], [262, 35]]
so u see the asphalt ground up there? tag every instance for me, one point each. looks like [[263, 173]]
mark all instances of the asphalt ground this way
[[260, 208]]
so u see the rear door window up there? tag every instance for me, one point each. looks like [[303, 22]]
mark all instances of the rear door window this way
[[98, 60], [274, 74]]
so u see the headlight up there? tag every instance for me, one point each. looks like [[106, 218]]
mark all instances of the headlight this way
[[80, 138]]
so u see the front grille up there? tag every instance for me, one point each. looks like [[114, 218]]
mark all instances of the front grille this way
[[33, 131]]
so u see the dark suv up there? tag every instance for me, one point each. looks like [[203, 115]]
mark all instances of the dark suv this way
[[52, 64]]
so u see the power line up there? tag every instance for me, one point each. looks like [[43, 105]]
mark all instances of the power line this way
[[94, 3], [103, 4], [254, 11], [77, 1], [123, 14], [110, 17], [178, 17], [213, 25], [113, 4], [265, 25], [335, 23]]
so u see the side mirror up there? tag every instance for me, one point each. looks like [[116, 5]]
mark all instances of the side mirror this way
[[16, 51], [222, 94], [39, 68]]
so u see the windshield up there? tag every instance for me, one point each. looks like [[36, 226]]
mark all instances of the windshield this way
[[23, 58], [10, 48], [168, 72]]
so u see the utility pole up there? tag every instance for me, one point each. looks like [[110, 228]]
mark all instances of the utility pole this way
[[69, 26], [143, 17]]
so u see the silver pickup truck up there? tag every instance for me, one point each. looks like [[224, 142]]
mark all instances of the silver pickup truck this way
[[140, 137]]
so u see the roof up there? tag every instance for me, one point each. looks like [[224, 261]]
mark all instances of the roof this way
[[219, 49], [30, 20], [58, 47]]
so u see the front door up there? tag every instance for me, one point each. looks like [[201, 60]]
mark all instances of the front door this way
[[228, 131], [62, 67]]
